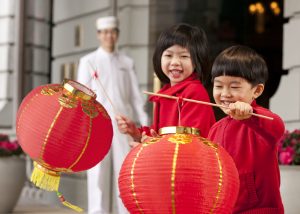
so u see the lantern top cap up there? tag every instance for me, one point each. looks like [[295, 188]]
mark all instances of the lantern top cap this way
[[179, 130], [78, 90]]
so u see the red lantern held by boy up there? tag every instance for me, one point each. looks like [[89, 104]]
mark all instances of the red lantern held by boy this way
[[179, 172], [63, 129]]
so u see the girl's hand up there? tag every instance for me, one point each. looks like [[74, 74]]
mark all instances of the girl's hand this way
[[239, 110], [154, 133], [127, 126], [145, 137]]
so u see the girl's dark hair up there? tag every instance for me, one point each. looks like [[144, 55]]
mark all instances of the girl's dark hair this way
[[187, 36], [241, 61]]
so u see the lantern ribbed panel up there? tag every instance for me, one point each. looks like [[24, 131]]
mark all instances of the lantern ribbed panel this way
[[60, 137], [205, 179]]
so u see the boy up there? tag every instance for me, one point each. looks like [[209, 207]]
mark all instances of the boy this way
[[239, 75]]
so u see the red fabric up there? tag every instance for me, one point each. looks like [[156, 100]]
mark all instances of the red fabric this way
[[145, 179], [192, 115], [253, 145], [69, 139]]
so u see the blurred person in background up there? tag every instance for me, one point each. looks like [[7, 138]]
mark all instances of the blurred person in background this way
[[116, 73]]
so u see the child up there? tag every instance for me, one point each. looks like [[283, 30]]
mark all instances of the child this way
[[181, 62], [239, 75]]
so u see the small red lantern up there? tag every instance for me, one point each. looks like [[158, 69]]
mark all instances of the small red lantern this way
[[179, 172], [63, 129]]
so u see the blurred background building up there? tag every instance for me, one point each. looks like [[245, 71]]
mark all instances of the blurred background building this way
[[41, 42]]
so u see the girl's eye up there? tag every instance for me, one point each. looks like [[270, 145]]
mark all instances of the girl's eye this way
[[235, 87], [167, 55], [185, 56], [218, 86]]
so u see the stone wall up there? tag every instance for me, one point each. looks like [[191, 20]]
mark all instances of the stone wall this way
[[286, 101], [25, 54]]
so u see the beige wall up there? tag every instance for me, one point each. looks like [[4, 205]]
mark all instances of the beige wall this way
[[16, 78], [6, 63]]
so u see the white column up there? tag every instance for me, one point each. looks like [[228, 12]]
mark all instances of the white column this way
[[286, 101]]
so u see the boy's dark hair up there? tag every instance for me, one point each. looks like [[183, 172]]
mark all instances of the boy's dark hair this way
[[187, 36], [241, 61]]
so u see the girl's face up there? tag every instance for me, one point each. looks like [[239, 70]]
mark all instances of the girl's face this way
[[176, 63], [229, 89]]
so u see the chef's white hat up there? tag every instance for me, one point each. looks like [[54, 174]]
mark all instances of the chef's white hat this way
[[107, 22]]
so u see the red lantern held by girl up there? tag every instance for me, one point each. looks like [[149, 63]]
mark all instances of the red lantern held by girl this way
[[179, 172], [63, 129]]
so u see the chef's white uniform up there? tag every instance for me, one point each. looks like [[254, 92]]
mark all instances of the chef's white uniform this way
[[116, 73]]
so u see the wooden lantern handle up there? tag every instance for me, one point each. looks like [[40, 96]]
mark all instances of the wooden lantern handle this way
[[201, 102]]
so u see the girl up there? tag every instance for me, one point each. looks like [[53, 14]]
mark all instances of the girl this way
[[181, 62]]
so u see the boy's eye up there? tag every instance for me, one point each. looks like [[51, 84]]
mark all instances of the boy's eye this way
[[235, 87]]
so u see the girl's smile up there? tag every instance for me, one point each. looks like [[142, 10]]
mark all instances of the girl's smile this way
[[177, 64]]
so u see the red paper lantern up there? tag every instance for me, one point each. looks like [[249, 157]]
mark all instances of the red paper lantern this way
[[180, 172], [63, 129]]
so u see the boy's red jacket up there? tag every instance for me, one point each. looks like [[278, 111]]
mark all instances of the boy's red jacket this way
[[191, 114], [253, 145]]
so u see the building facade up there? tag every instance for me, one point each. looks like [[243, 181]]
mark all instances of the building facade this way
[[41, 41], [286, 102]]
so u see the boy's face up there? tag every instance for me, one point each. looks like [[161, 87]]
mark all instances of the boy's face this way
[[176, 63], [229, 89]]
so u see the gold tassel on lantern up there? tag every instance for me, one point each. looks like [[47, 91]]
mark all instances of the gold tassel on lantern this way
[[45, 178], [68, 204], [49, 180]]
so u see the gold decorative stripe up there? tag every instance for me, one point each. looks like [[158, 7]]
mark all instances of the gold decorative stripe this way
[[152, 140], [132, 178], [67, 101], [90, 109], [85, 146], [51, 90], [209, 143], [220, 181], [181, 138], [49, 132], [173, 177]]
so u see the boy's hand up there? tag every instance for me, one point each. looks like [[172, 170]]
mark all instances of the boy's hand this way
[[239, 110], [127, 126]]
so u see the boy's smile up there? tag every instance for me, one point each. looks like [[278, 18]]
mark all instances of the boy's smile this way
[[229, 89]]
